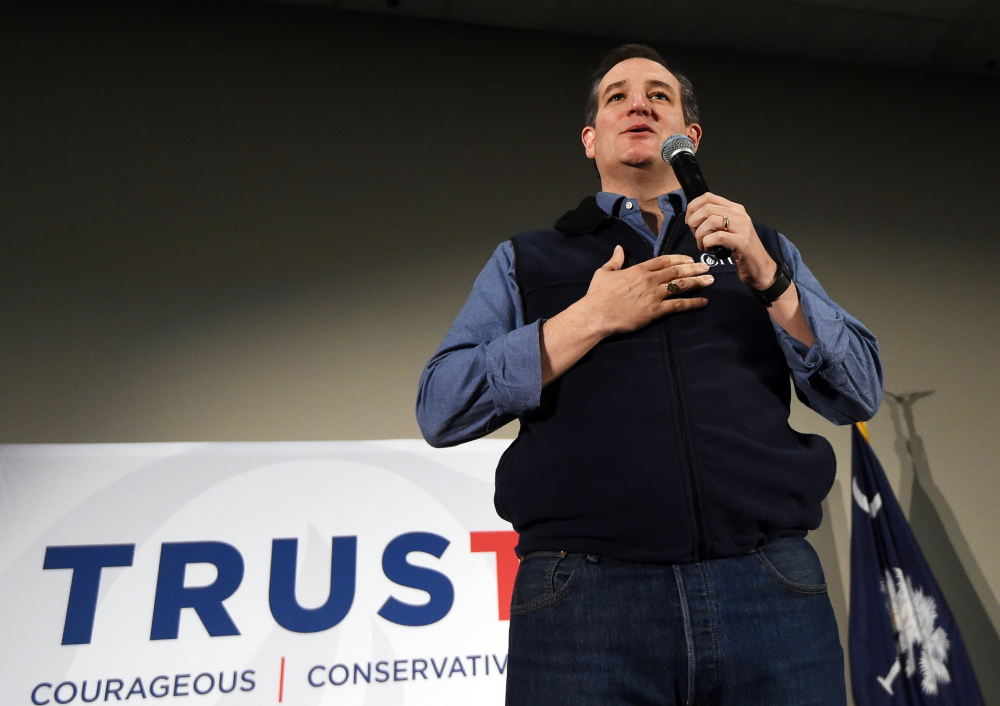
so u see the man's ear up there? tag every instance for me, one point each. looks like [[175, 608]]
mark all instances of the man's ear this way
[[694, 132], [588, 138]]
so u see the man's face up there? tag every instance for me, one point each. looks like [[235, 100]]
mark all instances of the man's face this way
[[638, 107]]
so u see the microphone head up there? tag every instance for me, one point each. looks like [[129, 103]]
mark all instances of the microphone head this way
[[674, 145]]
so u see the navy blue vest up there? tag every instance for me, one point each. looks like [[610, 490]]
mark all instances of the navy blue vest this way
[[669, 444]]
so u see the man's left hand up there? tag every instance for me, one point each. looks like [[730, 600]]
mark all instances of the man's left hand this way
[[718, 221]]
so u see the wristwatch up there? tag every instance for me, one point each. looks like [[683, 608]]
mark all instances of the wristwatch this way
[[781, 283]]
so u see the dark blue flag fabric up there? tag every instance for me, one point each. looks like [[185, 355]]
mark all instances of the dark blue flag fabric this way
[[904, 643]]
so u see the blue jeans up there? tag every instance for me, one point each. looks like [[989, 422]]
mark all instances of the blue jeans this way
[[754, 629]]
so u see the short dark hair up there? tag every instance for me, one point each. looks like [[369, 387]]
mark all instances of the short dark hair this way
[[639, 51]]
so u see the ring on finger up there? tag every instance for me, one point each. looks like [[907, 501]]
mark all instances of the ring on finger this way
[[672, 287], [725, 223]]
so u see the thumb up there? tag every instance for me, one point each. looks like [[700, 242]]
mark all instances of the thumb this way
[[616, 261]]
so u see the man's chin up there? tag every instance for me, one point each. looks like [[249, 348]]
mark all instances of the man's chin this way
[[640, 161]]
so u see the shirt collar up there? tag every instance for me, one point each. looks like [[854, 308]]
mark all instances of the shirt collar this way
[[670, 203]]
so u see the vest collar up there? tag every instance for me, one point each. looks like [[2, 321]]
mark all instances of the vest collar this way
[[585, 218]]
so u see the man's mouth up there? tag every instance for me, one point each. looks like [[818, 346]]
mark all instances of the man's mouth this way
[[639, 128]]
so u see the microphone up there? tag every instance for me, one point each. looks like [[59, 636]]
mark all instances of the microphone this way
[[678, 152]]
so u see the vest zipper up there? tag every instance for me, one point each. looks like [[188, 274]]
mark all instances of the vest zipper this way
[[701, 550]]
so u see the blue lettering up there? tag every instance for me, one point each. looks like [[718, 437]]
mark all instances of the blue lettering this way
[[137, 688], [456, 666], [108, 691], [434, 583], [399, 666], [159, 690], [281, 595], [87, 562], [34, 694], [83, 692], [434, 666], [211, 683], [423, 668], [310, 676], [473, 658], [347, 675], [59, 688], [172, 596], [367, 676], [222, 688], [497, 663], [178, 684], [248, 683], [380, 668]]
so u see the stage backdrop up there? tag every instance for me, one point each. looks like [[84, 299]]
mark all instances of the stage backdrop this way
[[263, 573]]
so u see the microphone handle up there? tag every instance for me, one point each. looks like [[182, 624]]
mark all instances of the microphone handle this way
[[688, 173]]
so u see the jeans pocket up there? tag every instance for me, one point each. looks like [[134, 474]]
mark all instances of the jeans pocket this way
[[544, 578], [794, 564]]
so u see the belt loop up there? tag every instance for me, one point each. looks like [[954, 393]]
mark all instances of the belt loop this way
[[593, 558]]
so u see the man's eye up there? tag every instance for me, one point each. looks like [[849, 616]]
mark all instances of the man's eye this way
[[616, 97], [660, 96]]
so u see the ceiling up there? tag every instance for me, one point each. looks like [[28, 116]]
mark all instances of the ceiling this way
[[951, 35]]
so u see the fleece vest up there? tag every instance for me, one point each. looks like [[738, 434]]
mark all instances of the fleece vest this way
[[669, 444]]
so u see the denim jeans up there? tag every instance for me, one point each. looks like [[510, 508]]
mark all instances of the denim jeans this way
[[753, 629]]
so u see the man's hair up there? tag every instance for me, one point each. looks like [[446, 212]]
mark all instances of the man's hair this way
[[640, 51]]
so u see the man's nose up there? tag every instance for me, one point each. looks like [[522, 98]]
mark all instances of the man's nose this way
[[639, 104]]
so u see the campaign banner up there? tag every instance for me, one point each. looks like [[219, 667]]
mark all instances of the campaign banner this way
[[369, 572]]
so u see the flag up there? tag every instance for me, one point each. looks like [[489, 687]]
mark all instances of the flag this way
[[904, 644]]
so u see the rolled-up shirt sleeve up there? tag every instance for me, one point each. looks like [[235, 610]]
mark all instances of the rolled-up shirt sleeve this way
[[488, 369], [840, 375]]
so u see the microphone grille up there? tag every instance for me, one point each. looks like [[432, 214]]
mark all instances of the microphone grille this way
[[674, 145]]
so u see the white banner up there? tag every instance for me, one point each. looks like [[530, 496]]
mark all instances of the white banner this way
[[253, 573]]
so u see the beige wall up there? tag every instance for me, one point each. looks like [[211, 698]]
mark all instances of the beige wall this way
[[257, 223]]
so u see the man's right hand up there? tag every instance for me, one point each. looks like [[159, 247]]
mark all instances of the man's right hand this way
[[619, 301]]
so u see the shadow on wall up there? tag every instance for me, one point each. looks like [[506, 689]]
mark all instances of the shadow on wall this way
[[944, 546], [835, 522], [824, 539]]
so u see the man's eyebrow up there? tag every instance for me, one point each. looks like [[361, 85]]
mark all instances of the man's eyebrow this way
[[652, 83], [614, 86], [660, 84]]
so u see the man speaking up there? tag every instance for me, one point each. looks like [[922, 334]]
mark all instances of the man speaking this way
[[660, 496]]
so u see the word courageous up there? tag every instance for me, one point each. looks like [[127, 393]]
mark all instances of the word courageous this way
[[88, 561], [404, 670], [158, 687]]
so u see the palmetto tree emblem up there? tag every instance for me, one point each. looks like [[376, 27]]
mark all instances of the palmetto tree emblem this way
[[914, 616]]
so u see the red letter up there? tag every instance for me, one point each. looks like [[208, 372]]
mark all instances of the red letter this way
[[502, 544]]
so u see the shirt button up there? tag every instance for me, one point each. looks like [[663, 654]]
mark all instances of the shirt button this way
[[628, 205]]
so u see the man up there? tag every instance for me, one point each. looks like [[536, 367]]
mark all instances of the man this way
[[660, 496]]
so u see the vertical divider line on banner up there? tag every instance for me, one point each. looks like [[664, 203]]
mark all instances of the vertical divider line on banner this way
[[281, 682]]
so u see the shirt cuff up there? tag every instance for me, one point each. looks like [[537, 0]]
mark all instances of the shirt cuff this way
[[514, 370], [825, 356]]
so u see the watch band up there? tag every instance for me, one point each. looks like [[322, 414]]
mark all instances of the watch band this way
[[781, 283]]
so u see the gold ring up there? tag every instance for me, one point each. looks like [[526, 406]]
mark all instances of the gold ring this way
[[725, 223], [672, 287]]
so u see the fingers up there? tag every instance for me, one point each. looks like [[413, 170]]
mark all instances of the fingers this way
[[675, 272], [674, 306], [712, 210], [677, 287], [616, 261], [664, 261]]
